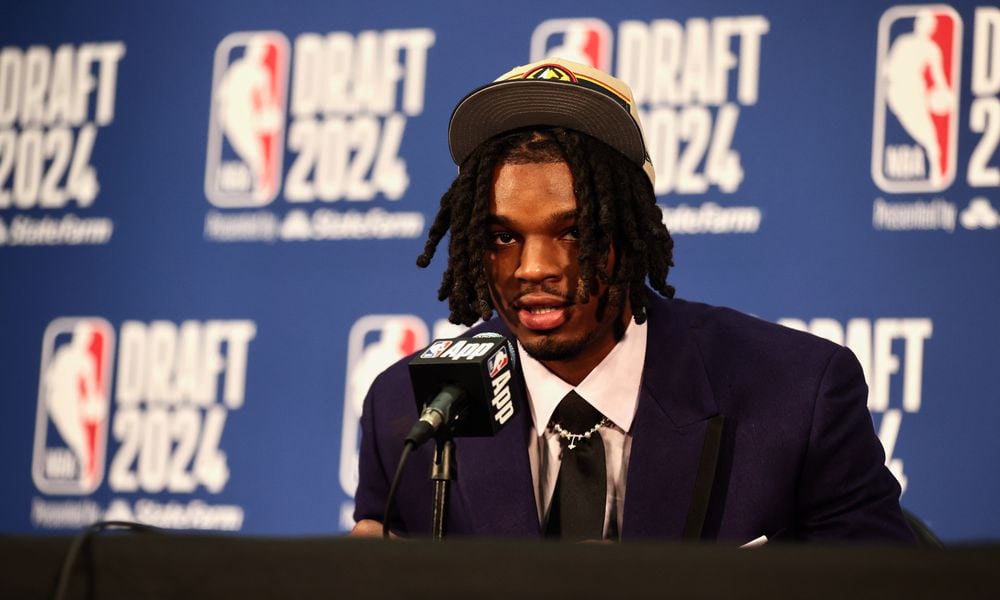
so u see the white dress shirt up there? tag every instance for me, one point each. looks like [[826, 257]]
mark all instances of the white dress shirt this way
[[613, 389]]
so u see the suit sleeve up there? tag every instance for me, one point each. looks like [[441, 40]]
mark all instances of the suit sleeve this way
[[373, 480], [845, 490]]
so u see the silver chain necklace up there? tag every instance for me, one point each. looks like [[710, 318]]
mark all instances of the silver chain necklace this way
[[573, 438]]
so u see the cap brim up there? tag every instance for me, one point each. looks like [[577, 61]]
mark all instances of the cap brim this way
[[513, 104]]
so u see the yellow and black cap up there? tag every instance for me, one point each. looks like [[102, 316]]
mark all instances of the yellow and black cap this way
[[553, 92]]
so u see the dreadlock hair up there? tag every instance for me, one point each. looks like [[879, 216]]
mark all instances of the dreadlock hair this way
[[616, 205]]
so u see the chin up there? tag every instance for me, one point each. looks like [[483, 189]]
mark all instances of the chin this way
[[547, 348]]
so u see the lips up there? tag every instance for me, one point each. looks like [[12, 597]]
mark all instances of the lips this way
[[541, 312]]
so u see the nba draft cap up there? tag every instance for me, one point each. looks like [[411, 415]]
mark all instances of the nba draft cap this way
[[556, 93]]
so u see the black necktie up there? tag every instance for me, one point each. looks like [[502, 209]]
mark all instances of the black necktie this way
[[578, 503]]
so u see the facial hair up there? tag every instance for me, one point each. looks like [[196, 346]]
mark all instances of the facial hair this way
[[549, 349]]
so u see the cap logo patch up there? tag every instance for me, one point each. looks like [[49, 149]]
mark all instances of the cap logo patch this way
[[552, 72]]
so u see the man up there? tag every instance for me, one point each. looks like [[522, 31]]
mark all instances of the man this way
[[648, 417]]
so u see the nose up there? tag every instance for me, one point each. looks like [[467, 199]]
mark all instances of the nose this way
[[541, 260]]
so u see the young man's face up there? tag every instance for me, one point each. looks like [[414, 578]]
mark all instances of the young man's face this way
[[534, 269]]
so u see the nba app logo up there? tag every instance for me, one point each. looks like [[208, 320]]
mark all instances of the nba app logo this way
[[586, 41], [915, 132], [497, 362], [246, 133], [374, 343], [71, 428], [435, 349]]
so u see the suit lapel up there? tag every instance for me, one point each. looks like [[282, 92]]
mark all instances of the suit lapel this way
[[495, 486], [671, 467]]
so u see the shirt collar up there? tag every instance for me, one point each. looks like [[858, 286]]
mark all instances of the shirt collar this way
[[612, 387]]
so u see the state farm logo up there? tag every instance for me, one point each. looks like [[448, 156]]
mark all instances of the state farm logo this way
[[980, 214], [247, 129], [586, 41], [915, 133], [71, 428], [349, 96]]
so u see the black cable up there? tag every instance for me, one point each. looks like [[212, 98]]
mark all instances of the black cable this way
[[82, 538], [390, 501]]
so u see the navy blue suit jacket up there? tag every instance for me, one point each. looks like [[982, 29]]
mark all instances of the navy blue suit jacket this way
[[743, 428]]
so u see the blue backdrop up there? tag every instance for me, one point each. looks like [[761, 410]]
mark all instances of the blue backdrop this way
[[209, 214]]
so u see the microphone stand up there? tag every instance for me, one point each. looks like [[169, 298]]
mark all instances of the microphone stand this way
[[442, 474]]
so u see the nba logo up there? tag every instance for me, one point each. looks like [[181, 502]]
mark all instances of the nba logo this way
[[586, 41], [915, 132], [374, 343], [247, 128], [71, 428], [435, 349], [497, 362]]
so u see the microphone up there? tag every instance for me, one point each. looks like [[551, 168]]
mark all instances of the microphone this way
[[468, 386]]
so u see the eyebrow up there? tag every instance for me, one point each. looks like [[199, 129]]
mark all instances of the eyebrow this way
[[568, 215]]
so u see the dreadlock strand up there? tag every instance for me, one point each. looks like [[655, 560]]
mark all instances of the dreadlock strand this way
[[575, 148], [659, 244], [479, 237], [441, 224], [600, 162], [457, 256], [635, 230]]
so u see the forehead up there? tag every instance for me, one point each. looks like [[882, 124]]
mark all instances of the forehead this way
[[532, 190]]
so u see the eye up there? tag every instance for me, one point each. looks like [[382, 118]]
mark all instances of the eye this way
[[573, 234], [501, 238]]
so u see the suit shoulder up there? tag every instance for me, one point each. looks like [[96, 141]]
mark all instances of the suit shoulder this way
[[736, 326], [732, 337]]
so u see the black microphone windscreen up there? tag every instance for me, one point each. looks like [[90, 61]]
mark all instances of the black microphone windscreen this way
[[484, 367]]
